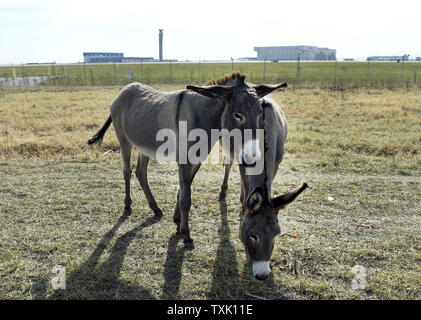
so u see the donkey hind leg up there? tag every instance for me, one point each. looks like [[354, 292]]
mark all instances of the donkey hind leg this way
[[181, 213], [142, 176], [126, 151], [224, 186]]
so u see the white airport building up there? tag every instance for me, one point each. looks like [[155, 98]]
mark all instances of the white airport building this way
[[295, 52]]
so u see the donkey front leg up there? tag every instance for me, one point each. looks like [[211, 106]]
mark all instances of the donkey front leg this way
[[186, 176], [224, 186], [244, 189], [177, 215], [185, 205]]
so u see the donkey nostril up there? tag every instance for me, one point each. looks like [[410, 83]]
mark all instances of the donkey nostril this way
[[253, 238], [261, 277]]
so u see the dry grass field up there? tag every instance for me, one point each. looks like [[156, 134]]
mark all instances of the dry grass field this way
[[61, 203]]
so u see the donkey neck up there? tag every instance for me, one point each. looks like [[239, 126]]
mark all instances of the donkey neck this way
[[201, 112]]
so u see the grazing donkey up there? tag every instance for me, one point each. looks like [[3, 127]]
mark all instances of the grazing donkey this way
[[259, 223], [139, 113]]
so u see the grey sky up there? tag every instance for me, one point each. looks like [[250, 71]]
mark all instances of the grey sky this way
[[61, 30]]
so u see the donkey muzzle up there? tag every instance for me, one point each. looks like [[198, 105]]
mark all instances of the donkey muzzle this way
[[250, 153], [261, 270]]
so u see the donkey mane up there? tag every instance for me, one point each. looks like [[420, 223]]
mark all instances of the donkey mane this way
[[235, 79]]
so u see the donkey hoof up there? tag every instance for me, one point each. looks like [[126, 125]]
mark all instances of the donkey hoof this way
[[127, 211], [158, 214], [189, 245], [177, 223]]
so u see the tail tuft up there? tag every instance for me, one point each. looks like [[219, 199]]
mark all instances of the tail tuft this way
[[95, 140], [97, 137]]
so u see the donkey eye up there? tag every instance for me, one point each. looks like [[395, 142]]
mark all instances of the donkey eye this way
[[238, 116]]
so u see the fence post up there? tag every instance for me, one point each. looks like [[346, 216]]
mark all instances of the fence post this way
[[115, 75], [92, 76], [170, 72], [264, 70], [54, 74], [65, 75], [297, 79], [368, 73], [23, 76], [199, 73], [141, 70], [84, 72], [70, 75], [334, 71], [402, 66]]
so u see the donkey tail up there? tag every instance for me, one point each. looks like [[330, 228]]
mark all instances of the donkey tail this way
[[97, 137]]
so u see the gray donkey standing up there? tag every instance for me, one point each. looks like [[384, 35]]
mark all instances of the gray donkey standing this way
[[139, 112]]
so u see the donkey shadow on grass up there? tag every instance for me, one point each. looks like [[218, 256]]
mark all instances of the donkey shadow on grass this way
[[225, 276], [93, 281], [172, 269]]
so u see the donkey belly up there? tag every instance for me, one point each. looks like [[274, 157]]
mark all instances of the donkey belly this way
[[141, 127], [146, 151]]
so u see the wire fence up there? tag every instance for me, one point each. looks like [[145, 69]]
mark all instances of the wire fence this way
[[333, 73]]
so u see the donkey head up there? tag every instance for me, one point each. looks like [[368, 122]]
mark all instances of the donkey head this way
[[243, 111], [259, 226]]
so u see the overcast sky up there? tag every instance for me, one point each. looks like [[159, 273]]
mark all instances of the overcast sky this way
[[60, 31]]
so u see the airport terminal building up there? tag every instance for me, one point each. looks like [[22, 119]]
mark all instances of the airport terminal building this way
[[102, 57], [295, 52], [110, 57]]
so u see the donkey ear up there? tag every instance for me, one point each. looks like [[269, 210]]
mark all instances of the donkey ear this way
[[264, 89], [282, 201], [255, 200], [216, 91]]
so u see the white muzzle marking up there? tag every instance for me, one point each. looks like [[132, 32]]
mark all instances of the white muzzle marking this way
[[250, 153], [261, 269]]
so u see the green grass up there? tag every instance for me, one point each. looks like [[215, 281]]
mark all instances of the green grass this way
[[354, 74], [61, 204]]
